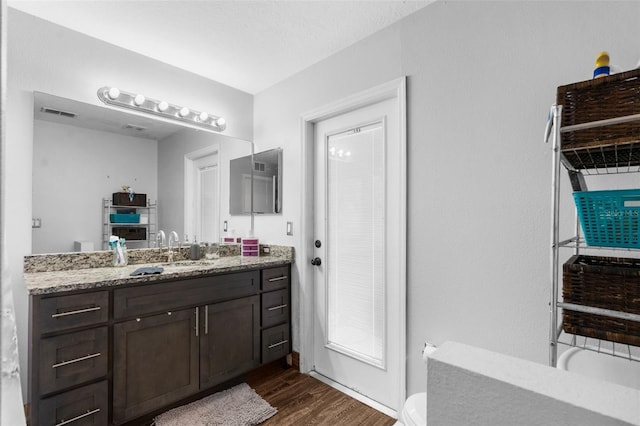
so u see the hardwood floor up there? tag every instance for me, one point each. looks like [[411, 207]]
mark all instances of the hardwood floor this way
[[303, 400]]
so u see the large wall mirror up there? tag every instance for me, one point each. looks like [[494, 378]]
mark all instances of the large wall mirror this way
[[256, 183], [82, 153]]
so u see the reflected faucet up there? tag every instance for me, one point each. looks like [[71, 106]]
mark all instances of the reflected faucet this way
[[160, 239], [173, 237]]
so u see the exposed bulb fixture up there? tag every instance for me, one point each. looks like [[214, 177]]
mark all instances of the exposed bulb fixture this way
[[139, 99], [162, 106], [119, 98], [113, 93]]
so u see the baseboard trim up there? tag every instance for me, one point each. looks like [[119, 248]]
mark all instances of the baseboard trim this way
[[293, 360], [355, 395]]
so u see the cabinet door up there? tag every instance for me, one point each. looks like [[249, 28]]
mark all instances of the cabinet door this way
[[155, 362], [229, 340]]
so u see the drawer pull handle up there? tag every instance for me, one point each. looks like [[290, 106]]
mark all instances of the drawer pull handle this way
[[79, 311], [206, 319], [197, 320], [275, 308], [84, 358], [81, 416], [277, 344], [284, 277]]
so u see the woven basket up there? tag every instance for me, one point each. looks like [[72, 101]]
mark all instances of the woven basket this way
[[602, 282], [614, 96]]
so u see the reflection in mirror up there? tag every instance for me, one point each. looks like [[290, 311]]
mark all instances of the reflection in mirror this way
[[82, 153], [260, 175]]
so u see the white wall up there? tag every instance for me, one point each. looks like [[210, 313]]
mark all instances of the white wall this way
[[45, 57], [73, 170], [481, 78]]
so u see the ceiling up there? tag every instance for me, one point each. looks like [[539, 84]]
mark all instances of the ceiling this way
[[248, 45], [70, 112]]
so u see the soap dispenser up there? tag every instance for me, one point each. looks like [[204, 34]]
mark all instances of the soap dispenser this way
[[195, 249]]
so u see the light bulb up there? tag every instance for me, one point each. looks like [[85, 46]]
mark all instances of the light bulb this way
[[162, 106], [139, 99], [203, 116], [113, 93], [220, 121], [184, 111]]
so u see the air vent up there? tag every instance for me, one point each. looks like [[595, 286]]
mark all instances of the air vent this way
[[58, 112], [134, 127]]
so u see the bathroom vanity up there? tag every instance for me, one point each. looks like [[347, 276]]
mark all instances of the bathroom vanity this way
[[111, 347]]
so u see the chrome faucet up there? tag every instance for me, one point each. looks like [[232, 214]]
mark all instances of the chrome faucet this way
[[160, 239]]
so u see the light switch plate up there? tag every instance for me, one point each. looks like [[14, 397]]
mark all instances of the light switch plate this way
[[289, 228]]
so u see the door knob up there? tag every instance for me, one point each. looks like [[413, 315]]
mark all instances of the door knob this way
[[316, 261]]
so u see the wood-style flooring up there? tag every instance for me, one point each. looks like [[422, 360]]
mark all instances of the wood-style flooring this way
[[303, 400]]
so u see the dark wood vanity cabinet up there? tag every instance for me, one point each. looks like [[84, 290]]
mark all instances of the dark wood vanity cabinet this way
[[198, 332], [111, 356], [69, 359], [275, 313]]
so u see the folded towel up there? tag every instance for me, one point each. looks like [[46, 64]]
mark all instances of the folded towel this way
[[147, 270]]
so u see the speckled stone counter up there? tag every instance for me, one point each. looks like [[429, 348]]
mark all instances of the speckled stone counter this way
[[60, 279]]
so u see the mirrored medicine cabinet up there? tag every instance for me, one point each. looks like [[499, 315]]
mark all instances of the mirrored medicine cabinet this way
[[256, 183]]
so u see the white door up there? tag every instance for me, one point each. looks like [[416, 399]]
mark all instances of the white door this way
[[208, 209], [359, 220], [202, 193]]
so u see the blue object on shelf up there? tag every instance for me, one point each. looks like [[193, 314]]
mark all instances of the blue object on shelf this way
[[124, 218], [610, 218]]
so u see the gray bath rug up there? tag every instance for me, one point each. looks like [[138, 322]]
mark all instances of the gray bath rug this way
[[238, 406]]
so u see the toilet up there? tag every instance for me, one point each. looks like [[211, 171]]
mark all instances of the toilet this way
[[414, 411]]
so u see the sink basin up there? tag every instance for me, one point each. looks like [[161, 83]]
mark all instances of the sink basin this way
[[202, 262]]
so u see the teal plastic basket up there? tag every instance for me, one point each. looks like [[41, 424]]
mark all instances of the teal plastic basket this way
[[124, 218], [610, 218]]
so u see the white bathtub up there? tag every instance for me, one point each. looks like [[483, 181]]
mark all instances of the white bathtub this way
[[602, 366]]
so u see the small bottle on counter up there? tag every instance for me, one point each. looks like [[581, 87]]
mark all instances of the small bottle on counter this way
[[195, 249]]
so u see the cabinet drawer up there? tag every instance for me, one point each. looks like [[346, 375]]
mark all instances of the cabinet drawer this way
[[74, 358], [275, 307], [275, 343], [184, 293], [65, 312], [87, 405], [275, 278]]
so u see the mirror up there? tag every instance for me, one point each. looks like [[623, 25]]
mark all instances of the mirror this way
[[259, 175], [82, 153]]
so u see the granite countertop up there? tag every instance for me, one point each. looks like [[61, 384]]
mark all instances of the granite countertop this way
[[90, 278]]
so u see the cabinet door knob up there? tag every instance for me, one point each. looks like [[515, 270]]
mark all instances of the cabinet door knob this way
[[316, 261]]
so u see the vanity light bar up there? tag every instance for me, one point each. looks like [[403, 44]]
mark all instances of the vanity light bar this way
[[138, 102]]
